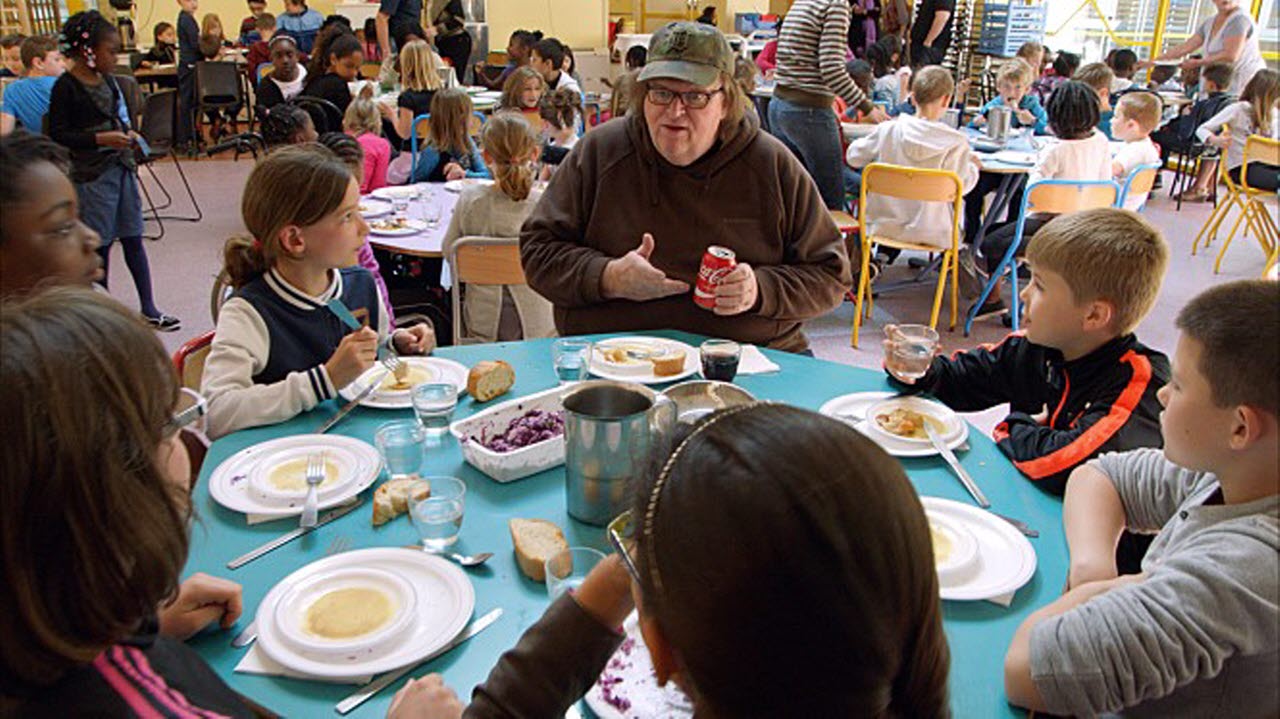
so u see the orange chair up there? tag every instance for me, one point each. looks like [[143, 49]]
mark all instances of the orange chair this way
[[848, 227], [920, 185], [189, 360]]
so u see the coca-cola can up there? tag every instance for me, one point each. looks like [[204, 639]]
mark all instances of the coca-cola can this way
[[717, 262]]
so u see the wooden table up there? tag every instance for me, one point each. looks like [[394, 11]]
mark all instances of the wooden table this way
[[978, 632]]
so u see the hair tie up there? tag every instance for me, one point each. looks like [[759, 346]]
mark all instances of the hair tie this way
[[257, 244]]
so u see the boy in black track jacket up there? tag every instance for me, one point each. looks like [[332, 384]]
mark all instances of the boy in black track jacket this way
[[1077, 380]]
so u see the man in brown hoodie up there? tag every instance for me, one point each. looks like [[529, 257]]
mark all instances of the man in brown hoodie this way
[[617, 239]]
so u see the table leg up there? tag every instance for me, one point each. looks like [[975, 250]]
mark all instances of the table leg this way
[[1009, 184]]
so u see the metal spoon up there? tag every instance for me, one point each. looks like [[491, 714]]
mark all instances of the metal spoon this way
[[465, 560]]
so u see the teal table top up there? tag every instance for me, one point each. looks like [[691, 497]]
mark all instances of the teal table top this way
[[978, 632]]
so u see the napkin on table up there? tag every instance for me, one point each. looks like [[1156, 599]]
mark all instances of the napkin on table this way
[[753, 361], [255, 661]]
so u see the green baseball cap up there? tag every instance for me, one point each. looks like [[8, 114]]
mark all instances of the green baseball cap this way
[[688, 51]]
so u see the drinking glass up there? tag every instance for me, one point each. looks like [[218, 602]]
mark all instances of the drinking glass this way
[[438, 517], [400, 205], [402, 444], [568, 569], [720, 359], [434, 403], [911, 349], [572, 359]]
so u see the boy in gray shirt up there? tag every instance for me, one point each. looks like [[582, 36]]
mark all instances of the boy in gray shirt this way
[[1196, 633]]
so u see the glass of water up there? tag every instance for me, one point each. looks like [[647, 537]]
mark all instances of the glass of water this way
[[568, 569], [400, 204], [911, 349], [402, 444], [430, 210], [438, 517], [434, 403], [572, 359]]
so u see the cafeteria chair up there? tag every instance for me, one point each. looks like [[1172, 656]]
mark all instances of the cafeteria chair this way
[[847, 226], [1140, 181], [324, 114], [218, 89], [920, 185], [1247, 199], [1058, 197], [481, 261], [190, 358], [263, 70], [421, 126], [159, 110]]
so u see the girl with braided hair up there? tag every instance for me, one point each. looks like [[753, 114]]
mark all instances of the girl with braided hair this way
[[87, 114]]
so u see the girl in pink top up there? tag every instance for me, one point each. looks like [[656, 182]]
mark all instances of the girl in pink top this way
[[363, 122]]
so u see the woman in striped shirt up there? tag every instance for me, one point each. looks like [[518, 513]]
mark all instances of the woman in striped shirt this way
[[810, 73]]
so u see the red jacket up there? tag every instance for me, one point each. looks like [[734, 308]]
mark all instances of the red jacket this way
[[259, 53]]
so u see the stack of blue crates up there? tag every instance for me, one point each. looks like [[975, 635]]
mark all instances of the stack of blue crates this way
[[1006, 27]]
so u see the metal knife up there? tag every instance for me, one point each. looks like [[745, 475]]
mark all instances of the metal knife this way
[[246, 637], [287, 537], [382, 682], [948, 455], [346, 408]]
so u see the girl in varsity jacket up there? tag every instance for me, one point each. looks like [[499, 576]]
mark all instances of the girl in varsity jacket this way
[[279, 348]]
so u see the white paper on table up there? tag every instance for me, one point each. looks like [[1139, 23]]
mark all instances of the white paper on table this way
[[256, 661], [753, 361], [252, 519], [1002, 600]]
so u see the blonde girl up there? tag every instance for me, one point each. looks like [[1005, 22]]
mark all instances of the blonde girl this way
[[278, 348], [1253, 114], [420, 80], [363, 122], [498, 312], [449, 152]]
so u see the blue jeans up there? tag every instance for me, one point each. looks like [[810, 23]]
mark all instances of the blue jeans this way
[[814, 136]]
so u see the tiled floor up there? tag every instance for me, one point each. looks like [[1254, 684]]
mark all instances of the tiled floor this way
[[185, 262]]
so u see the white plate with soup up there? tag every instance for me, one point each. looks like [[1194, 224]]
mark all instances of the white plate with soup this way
[[393, 394], [978, 555], [363, 612], [647, 360], [371, 207], [896, 423], [388, 226], [268, 479]]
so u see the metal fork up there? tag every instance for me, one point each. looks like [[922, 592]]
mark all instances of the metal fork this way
[[315, 475], [246, 637], [393, 363]]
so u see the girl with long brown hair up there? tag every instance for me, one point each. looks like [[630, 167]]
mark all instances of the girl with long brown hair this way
[[449, 152], [776, 574], [97, 485], [501, 312], [1253, 114], [278, 349]]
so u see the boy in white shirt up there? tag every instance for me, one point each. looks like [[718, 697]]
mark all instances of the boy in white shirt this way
[[1137, 114], [919, 140]]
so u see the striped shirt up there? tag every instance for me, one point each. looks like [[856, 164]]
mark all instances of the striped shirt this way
[[811, 55]]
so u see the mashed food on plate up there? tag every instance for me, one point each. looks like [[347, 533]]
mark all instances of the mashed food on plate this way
[[908, 423], [349, 612], [292, 475], [941, 544], [408, 380]]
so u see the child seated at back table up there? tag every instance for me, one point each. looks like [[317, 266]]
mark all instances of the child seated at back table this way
[[501, 312], [26, 101], [363, 122], [1077, 380], [1099, 77], [42, 239], [449, 152], [560, 111], [1081, 153], [287, 124], [1255, 113], [918, 140], [278, 349], [1013, 80], [1136, 115], [1196, 633], [1063, 67]]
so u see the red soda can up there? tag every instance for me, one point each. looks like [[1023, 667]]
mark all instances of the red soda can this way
[[717, 262]]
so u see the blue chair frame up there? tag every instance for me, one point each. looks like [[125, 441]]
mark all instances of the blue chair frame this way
[[1008, 263], [1128, 181]]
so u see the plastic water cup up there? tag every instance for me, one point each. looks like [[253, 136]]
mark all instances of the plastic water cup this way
[[434, 403], [568, 569], [402, 444], [572, 359], [438, 517]]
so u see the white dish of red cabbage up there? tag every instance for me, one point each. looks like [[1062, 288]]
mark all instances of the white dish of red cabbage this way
[[628, 688], [530, 428]]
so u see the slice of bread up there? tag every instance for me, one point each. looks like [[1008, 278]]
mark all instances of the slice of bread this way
[[490, 378], [392, 498], [669, 364], [535, 540]]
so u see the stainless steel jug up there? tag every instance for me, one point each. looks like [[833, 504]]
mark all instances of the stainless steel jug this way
[[999, 119], [610, 430]]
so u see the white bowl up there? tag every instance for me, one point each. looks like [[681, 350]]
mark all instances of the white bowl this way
[[963, 558], [520, 463], [291, 610], [923, 406], [260, 474]]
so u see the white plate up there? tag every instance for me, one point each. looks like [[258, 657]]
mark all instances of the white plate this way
[[346, 463], [371, 207], [1013, 157], [390, 191], [291, 610], [1005, 562], [629, 674], [411, 227], [445, 602], [459, 185], [603, 371], [943, 414], [229, 483], [438, 369], [857, 404]]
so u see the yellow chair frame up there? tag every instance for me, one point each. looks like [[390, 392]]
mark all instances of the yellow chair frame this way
[[1249, 201], [921, 185]]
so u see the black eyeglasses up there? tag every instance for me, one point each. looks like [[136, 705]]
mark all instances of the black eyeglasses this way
[[622, 532], [694, 99]]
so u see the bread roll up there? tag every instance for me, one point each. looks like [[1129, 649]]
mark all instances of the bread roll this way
[[535, 541], [392, 498], [669, 364], [490, 378]]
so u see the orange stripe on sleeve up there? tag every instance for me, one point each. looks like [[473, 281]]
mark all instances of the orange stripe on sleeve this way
[[1102, 430]]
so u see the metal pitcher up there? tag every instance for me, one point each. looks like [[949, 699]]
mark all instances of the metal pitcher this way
[[610, 430], [999, 120]]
